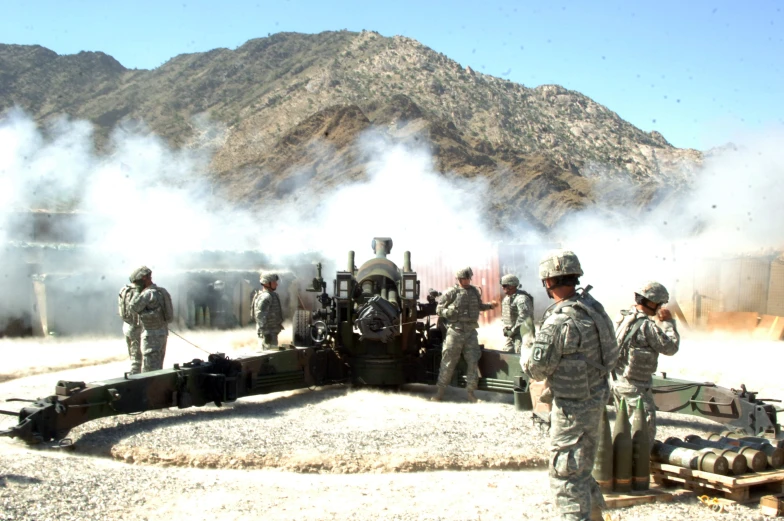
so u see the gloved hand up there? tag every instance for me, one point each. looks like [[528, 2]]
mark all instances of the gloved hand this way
[[507, 331], [451, 313]]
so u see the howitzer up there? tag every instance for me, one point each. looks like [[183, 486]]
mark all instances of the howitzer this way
[[738, 408], [373, 331]]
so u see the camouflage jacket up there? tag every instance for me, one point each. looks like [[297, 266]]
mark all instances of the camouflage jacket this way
[[640, 353], [517, 313], [268, 312], [461, 307], [149, 305], [568, 350]]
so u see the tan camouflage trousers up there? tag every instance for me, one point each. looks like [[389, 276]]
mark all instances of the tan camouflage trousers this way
[[153, 351], [623, 388], [133, 340], [460, 342], [574, 432], [268, 342]]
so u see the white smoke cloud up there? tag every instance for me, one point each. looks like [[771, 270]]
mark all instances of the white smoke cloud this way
[[730, 209], [403, 197], [145, 203]]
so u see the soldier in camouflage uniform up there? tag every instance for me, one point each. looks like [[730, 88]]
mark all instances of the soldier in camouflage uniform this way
[[149, 304], [517, 308], [574, 350], [459, 306], [132, 326], [268, 312], [644, 331]]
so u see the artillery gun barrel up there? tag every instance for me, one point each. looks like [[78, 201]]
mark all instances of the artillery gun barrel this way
[[755, 460], [690, 459]]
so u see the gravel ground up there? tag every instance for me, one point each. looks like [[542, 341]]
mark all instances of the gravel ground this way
[[329, 454]]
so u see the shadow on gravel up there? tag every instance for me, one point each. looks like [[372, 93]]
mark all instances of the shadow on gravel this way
[[16, 478], [100, 441]]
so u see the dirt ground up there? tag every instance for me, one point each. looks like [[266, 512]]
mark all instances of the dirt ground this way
[[311, 455]]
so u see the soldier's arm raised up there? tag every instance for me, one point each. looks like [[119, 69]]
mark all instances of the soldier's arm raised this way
[[142, 300], [662, 336]]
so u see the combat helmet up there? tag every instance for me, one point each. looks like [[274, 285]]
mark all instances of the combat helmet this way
[[139, 273], [267, 278], [464, 273], [654, 292], [558, 263], [510, 280]]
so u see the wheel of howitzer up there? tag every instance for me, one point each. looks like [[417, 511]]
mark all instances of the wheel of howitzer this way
[[301, 327]]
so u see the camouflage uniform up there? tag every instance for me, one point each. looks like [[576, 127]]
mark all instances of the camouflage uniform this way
[[149, 305], [460, 309], [574, 351], [268, 314], [132, 327], [632, 378], [517, 315]]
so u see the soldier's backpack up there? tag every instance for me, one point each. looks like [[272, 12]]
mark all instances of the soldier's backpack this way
[[168, 307], [533, 331], [253, 300], [124, 301], [609, 351]]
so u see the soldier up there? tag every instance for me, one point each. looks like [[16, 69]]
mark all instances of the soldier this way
[[517, 309], [154, 306], [268, 312], [643, 332], [575, 349], [132, 326], [459, 306]]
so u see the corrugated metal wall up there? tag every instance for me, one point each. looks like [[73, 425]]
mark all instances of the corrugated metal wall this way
[[439, 273], [775, 302], [745, 284], [707, 290], [753, 285], [521, 260]]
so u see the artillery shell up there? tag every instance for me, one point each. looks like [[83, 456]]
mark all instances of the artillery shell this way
[[759, 439], [736, 461], [774, 455], [603, 464], [622, 451], [755, 460], [641, 450], [690, 459]]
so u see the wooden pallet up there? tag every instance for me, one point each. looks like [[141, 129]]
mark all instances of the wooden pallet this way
[[655, 494], [740, 489]]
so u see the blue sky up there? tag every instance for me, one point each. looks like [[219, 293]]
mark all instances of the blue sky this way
[[701, 73]]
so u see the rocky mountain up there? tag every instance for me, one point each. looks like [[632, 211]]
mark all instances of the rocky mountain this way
[[545, 151]]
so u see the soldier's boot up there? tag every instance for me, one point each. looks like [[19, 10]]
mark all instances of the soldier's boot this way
[[471, 397], [439, 395]]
